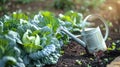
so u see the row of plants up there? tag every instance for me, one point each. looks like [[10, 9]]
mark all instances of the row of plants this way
[[37, 41]]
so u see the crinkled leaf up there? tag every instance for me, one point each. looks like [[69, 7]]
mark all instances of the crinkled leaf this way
[[5, 48], [45, 31], [51, 59], [45, 52], [30, 48], [7, 61]]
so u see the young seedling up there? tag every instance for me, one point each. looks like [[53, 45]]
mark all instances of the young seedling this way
[[78, 62], [113, 47], [91, 59], [62, 52]]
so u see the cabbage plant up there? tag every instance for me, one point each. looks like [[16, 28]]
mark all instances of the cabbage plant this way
[[37, 41]]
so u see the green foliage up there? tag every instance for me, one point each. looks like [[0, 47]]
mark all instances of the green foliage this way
[[8, 51], [71, 20], [89, 4], [7, 61], [64, 4], [85, 5], [4, 4], [19, 15], [48, 19], [13, 21], [113, 46], [3, 1], [24, 1], [74, 17], [5, 48]]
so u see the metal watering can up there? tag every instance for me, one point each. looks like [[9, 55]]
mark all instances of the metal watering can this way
[[91, 38]]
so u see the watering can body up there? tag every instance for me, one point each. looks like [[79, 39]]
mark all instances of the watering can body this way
[[91, 38], [94, 40]]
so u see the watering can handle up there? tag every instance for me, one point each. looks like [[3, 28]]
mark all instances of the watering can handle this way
[[106, 26]]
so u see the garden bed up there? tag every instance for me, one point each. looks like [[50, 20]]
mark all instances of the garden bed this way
[[75, 55], [74, 51]]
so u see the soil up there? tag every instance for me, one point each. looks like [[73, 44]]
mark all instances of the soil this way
[[73, 52]]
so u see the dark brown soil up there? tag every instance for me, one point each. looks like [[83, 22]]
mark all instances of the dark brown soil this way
[[73, 53]]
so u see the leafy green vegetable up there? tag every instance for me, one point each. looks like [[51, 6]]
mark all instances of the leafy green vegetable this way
[[37, 41], [7, 61], [47, 19], [71, 20], [8, 49], [31, 43], [45, 52], [13, 21], [51, 59], [5, 48]]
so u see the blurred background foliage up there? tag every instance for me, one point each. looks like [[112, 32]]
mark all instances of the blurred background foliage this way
[[62, 5], [82, 5]]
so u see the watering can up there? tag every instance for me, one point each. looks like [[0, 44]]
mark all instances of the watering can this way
[[91, 38]]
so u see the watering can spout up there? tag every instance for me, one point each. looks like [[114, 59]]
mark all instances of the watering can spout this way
[[74, 37]]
